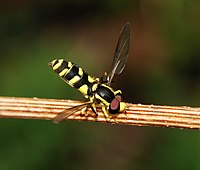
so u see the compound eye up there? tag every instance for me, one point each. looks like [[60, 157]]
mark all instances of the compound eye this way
[[119, 97], [114, 106]]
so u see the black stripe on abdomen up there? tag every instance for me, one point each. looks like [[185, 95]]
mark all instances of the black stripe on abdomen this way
[[82, 81], [72, 72]]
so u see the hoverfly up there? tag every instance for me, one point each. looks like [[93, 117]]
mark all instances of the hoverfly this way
[[97, 91]]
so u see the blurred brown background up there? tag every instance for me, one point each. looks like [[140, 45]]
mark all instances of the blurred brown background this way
[[163, 68]]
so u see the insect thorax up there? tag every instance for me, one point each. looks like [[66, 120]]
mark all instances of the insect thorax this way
[[105, 94]]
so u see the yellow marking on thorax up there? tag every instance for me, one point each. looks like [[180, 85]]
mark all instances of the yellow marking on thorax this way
[[94, 87], [58, 64], [108, 87], [83, 89]]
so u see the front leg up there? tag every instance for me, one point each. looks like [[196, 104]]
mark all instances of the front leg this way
[[105, 112], [92, 106]]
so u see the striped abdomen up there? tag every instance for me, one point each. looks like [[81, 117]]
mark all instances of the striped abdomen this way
[[73, 75]]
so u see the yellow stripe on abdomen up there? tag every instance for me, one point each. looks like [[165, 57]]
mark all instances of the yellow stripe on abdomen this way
[[60, 61], [63, 72], [74, 79]]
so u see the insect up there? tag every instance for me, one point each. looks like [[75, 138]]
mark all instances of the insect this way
[[97, 91]]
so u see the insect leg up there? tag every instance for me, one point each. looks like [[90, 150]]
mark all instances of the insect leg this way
[[94, 109], [105, 112], [84, 111]]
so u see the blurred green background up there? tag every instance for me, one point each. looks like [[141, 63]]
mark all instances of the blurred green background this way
[[163, 68]]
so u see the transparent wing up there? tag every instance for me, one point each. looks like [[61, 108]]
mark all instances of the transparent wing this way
[[121, 53], [67, 112]]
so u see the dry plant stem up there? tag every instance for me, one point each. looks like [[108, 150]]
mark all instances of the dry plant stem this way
[[136, 114]]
